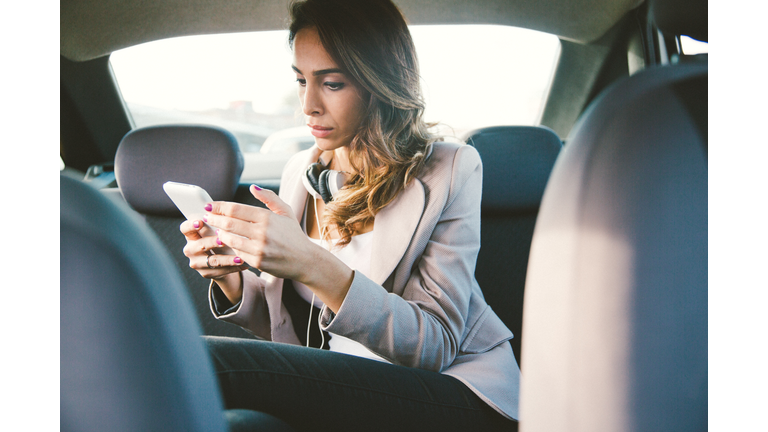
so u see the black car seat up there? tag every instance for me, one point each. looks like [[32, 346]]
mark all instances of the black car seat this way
[[615, 319], [202, 155], [131, 355], [517, 161]]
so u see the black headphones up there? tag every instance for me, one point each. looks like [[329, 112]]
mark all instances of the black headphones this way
[[322, 182]]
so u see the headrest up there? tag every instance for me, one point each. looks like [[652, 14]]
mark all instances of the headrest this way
[[517, 161], [206, 156], [681, 17]]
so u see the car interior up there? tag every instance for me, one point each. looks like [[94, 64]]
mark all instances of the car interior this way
[[594, 221]]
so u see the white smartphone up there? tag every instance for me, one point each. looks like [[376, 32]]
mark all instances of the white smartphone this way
[[191, 200]]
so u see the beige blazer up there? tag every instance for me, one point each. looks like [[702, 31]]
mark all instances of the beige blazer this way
[[421, 286]]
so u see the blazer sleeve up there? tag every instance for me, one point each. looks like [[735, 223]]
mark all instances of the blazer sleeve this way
[[423, 328], [251, 313]]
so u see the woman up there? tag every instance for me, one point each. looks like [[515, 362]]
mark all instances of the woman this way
[[388, 259]]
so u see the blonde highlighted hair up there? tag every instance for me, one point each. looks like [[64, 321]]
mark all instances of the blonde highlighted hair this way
[[370, 41]]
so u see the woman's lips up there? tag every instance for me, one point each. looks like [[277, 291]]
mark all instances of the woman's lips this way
[[320, 131]]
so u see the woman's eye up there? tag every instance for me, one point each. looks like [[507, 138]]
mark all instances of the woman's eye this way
[[334, 85], [302, 82]]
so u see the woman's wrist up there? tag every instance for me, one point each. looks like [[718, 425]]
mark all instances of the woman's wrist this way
[[328, 277], [339, 281], [231, 286]]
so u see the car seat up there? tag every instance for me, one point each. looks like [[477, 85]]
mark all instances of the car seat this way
[[517, 161], [206, 156], [131, 355], [615, 312]]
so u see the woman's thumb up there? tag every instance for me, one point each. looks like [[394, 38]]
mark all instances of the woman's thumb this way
[[271, 200]]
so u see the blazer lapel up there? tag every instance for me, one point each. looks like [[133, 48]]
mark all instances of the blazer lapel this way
[[393, 230], [394, 225]]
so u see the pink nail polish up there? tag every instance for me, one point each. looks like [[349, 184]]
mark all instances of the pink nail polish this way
[[196, 224], [208, 207], [219, 242], [205, 218], [237, 260], [256, 187]]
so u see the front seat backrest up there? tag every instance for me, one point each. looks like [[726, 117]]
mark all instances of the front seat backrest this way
[[131, 355], [615, 314]]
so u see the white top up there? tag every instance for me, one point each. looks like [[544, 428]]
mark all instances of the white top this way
[[356, 255]]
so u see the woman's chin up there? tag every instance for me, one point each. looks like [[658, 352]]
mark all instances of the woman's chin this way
[[328, 144]]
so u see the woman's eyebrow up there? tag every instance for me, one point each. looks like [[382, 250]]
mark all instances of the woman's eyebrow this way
[[319, 72]]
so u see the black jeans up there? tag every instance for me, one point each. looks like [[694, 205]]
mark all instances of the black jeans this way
[[313, 389]]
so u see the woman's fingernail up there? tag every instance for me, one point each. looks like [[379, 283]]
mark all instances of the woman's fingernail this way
[[208, 207], [218, 241], [196, 224], [238, 260], [256, 187], [205, 218]]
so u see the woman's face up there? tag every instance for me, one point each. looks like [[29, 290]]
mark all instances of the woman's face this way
[[333, 103]]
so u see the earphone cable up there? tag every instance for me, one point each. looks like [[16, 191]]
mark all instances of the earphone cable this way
[[312, 303]]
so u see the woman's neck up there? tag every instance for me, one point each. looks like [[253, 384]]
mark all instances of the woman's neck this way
[[339, 160]]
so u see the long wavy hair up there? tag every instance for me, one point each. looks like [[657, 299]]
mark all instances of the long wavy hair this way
[[369, 40]]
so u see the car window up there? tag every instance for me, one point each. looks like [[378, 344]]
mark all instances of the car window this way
[[692, 46], [472, 76]]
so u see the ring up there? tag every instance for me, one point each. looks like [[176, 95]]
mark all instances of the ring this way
[[208, 262]]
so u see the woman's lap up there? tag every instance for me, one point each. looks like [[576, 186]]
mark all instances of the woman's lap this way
[[321, 390]]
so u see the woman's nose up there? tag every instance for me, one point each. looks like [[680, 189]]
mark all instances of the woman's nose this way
[[311, 103]]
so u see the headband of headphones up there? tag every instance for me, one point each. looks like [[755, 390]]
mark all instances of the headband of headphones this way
[[322, 182]]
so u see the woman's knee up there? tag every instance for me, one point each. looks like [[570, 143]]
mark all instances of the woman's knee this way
[[227, 353]]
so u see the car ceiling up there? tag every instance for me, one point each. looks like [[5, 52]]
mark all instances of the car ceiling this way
[[93, 28]]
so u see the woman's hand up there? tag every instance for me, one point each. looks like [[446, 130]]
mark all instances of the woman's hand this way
[[271, 240], [225, 269]]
